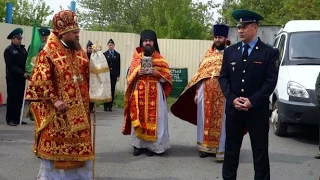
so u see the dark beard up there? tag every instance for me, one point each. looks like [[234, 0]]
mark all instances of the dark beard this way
[[148, 50], [219, 47], [73, 45]]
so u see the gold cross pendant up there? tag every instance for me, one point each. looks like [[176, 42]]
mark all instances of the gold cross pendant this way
[[74, 77]]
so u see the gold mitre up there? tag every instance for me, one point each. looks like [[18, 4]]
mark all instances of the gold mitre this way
[[96, 47]]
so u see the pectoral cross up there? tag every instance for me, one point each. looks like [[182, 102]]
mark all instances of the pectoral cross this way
[[74, 78]]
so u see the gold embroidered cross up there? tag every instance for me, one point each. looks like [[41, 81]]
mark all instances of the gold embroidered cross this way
[[74, 77], [60, 58]]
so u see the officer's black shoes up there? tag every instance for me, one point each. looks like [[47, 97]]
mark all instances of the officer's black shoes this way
[[12, 124], [203, 154], [149, 153], [137, 151], [108, 109], [317, 156]]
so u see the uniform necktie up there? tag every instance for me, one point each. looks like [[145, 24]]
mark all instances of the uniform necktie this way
[[245, 52]]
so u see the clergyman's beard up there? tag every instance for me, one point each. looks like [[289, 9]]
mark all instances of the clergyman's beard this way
[[148, 50], [220, 46], [73, 45]]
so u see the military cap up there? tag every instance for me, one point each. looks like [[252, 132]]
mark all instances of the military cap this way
[[244, 17], [15, 33], [44, 31], [111, 41]]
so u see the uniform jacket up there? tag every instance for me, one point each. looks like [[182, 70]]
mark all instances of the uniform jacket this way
[[15, 59], [113, 62], [255, 78]]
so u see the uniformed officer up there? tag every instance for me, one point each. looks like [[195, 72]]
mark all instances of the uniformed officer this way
[[248, 77], [44, 32], [15, 57], [113, 58]]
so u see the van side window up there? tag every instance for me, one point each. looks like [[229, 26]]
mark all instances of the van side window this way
[[281, 47]]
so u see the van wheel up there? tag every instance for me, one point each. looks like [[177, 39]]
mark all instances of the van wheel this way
[[279, 128]]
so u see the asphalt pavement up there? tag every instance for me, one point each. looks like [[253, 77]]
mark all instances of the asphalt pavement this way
[[291, 157]]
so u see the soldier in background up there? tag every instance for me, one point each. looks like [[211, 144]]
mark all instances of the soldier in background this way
[[15, 56], [113, 58]]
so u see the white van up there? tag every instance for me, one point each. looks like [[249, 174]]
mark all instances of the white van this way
[[294, 99]]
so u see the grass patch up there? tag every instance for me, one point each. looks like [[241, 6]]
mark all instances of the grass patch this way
[[170, 101], [119, 100]]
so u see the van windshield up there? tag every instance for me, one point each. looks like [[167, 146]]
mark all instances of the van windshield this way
[[304, 46]]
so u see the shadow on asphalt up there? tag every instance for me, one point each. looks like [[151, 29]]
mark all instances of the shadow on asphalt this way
[[246, 157], [126, 156], [127, 178], [306, 134]]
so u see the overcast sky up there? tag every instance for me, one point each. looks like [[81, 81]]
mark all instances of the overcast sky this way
[[55, 5]]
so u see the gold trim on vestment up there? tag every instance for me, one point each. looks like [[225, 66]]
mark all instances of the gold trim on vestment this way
[[98, 71], [67, 157], [205, 148], [68, 165]]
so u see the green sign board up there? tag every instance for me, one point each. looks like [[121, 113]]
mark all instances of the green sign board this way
[[179, 80]]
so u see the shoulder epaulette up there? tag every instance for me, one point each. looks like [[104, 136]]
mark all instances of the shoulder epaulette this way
[[232, 45]]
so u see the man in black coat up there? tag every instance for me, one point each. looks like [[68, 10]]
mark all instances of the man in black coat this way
[[248, 77], [89, 52], [113, 58], [15, 57]]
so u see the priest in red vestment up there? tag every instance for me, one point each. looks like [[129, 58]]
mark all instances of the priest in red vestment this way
[[145, 101], [202, 102], [58, 89]]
